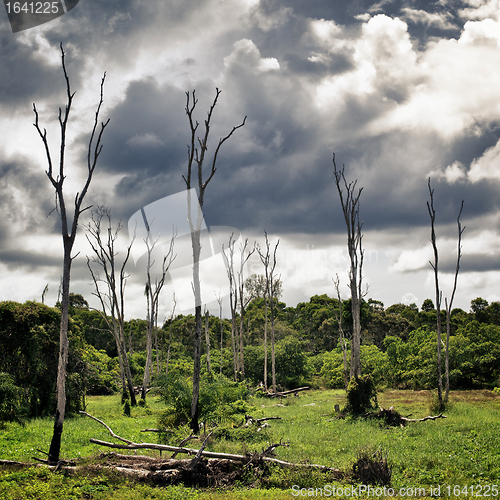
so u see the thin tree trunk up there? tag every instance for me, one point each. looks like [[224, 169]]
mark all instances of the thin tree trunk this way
[[432, 214], [55, 445], [207, 341], [265, 346]]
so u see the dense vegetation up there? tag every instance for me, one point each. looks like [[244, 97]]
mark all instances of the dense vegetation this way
[[398, 351]]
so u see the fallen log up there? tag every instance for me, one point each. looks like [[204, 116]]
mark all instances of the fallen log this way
[[284, 393], [393, 418], [190, 451]]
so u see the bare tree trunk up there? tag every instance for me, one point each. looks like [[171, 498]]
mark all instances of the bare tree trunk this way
[[233, 301], [432, 214], [68, 238], [449, 306], [350, 208], [342, 338], [269, 268], [153, 297], [243, 302], [265, 345], [219, 300], [170, 336], [197, 156], [207, 341]]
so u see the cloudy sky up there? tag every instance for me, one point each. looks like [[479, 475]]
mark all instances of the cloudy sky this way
[[400, 91]]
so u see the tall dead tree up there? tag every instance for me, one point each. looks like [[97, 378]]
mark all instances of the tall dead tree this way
[[152, 292], [439, 295], [68, 230], [242, 299], [233, 302], [196, 159], [112, 298], [449, 305], [269, 267], [350, 208], [207, 341], [170, 336], [219, 300]]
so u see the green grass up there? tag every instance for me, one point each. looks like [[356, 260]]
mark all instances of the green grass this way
[[463, 449]]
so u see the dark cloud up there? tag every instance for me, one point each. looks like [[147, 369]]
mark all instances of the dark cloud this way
[[25, 78]]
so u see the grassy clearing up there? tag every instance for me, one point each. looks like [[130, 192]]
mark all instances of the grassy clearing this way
[[463, 449]]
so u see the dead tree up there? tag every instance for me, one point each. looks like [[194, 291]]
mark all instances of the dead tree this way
[[350, 208], [207, 341], [196, 158], [170, 336], [152, 291], [269, 267], [432, 214], [342, 337], [242, 299], [233, 301], [448, 305], [68, 230], [112, 300], [219, 300]]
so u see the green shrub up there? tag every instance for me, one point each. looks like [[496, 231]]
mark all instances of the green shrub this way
[[361, 395]]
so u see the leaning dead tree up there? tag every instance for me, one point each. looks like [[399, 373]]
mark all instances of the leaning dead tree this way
[[439, 294], [197, 150], [110, 286], [68, 230], [349, 199]]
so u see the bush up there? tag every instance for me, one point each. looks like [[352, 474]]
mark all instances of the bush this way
[[361, 395], [220, 400]]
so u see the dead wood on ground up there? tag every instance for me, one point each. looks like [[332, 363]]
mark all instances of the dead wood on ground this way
[[393, 418]]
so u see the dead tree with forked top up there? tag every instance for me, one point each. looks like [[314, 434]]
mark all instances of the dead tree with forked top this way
[[112, 298], [439, 295], [68, 230], [197, 150], [350, 208]]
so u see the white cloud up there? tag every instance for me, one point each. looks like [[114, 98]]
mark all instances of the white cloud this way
[[247, 55], [411, 260], [487, 166], [452, 173], [481, 9], [409, 298], [458, 89], [481, 33]]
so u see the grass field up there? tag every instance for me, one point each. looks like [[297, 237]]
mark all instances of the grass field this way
[[461, 451]]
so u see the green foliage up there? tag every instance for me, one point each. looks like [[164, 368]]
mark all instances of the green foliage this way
[[291, 362], [102, 374], [220, 400], [12, 401], [361, 395]]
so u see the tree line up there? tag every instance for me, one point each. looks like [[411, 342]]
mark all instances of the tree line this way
[[398, 348]]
